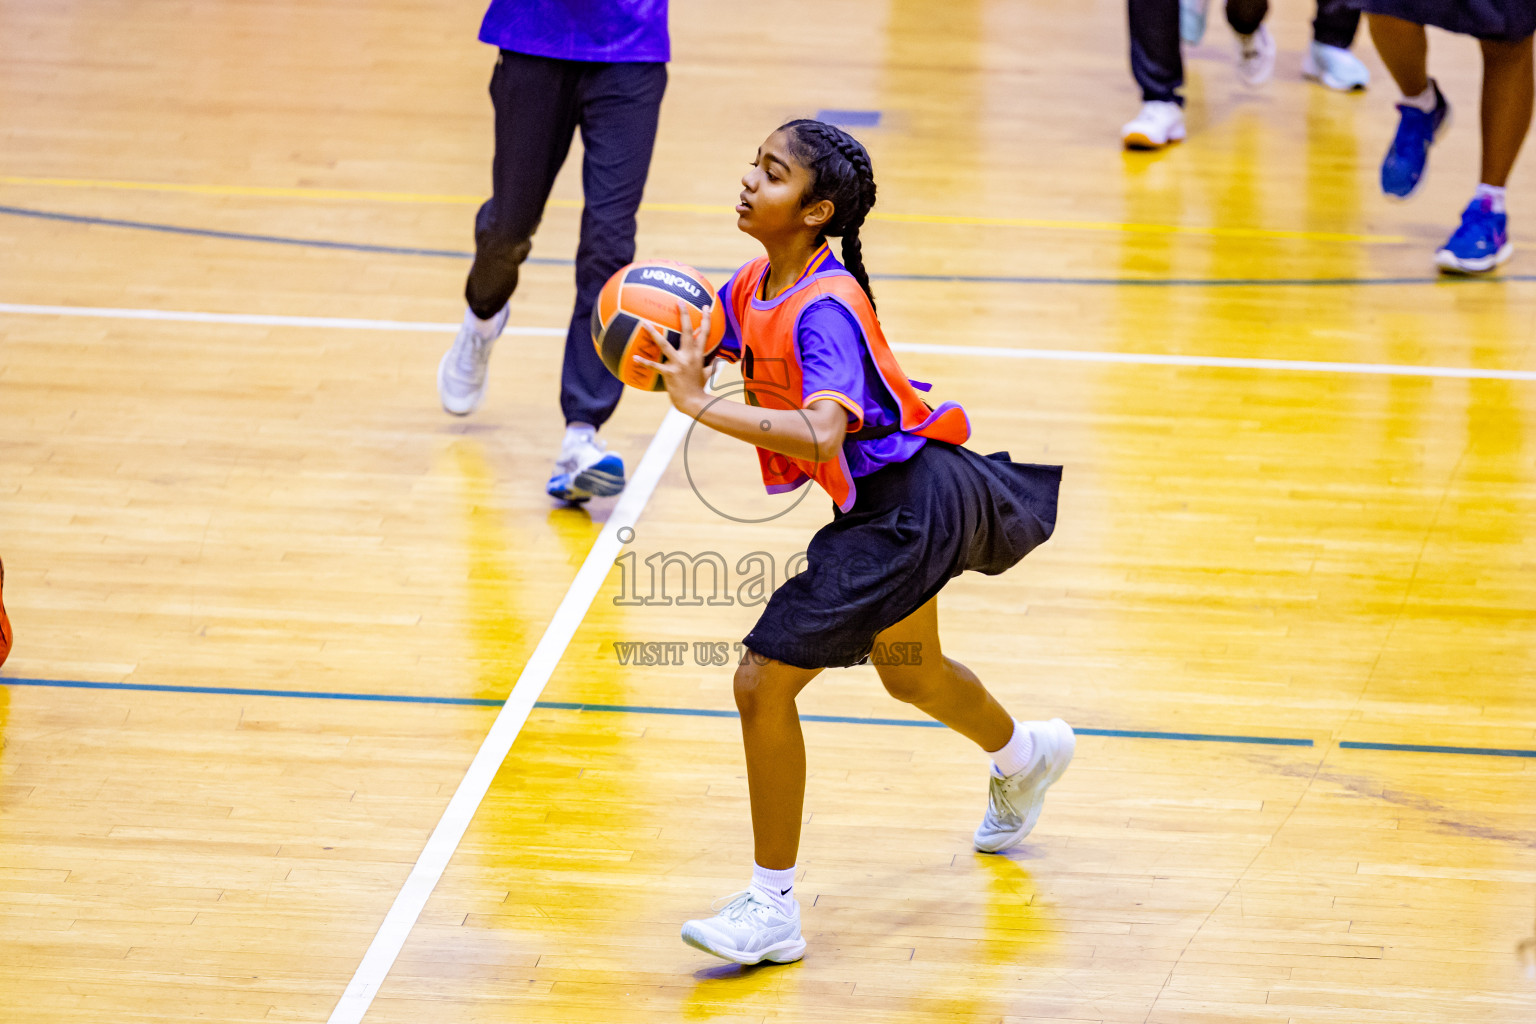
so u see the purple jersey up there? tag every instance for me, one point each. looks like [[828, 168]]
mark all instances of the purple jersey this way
[[618, 31], [835, 364]]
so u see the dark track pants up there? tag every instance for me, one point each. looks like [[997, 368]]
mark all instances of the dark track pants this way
[[1158, 65], [540, 102]]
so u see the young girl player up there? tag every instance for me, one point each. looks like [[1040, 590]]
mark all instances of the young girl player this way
[[826, 401]]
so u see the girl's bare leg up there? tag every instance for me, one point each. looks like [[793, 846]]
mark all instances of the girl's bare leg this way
[[770, 729], [1404, 49], [1507, 95], [940, 687]]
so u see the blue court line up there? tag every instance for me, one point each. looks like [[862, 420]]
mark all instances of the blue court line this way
[[647, 709], [631, 709], [242, 236], [240, 691], [1134, 282], [1421, 748]]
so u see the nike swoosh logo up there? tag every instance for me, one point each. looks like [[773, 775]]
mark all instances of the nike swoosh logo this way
[[785, 892]]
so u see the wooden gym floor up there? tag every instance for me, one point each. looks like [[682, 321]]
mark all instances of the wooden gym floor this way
[[1271, 583]]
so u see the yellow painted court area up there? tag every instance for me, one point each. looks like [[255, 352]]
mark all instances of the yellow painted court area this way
[[269, 598]]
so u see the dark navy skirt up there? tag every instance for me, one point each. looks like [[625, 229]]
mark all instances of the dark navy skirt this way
[[914, 526], [1500, 20]]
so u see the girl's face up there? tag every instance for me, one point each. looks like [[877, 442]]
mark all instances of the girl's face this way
[[772, 192]]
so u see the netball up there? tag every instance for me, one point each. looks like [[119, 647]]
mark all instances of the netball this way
[[643, 293]]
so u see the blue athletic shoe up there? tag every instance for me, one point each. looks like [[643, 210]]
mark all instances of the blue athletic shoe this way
[[584, 470], [1403, 167], [1480, 244]]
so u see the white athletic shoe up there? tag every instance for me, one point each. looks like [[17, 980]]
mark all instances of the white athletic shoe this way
[[1256, 57], [748, 931], [461, 374], [1014, 802], [1159, 123], [586, 469], [1335, 67]]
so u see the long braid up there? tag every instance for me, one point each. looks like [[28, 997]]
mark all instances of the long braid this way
[[843, 174]]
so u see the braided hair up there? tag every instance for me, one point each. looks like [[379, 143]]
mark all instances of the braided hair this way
[[840, 173]]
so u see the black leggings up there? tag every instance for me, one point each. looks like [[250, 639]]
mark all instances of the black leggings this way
[[540, 102], [1158, 65]]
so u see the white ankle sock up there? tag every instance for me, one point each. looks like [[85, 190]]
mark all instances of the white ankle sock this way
[[1424, 101], [1014, 755], [1493, 192], [777, 887], [485, 328], [578, 433]]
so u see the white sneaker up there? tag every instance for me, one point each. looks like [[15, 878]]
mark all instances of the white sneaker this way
[[1256, 57], [461, 374], [1335, 67], [1014, 802], [1159, 123], [748, 931], [585, 469]]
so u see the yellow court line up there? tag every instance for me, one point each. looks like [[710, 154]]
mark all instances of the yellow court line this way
[[430, 198]]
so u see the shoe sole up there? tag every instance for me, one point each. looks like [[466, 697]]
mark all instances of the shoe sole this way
[[567, 492], [1313, 73], [779, 953], [1450, 263], [1069, 745], [442, 391], [603, 485], [1142, 142]]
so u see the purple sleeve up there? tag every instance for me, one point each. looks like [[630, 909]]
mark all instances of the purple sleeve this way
[[832, 359]]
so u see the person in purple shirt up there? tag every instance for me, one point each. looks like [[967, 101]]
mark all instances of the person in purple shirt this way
[[912, 509], [597, 65], [836, 364]]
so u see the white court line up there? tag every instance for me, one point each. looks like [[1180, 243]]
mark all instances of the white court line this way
[[257, 319], [983, 351], [1153, 359], [498, 742]]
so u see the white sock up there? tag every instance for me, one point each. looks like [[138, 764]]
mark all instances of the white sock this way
[[578, 434], [1493, 192], [485, 328], [1424, 101], [777, 887], [1015, 754]]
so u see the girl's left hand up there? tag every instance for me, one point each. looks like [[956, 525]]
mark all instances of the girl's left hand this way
[[682, 369]]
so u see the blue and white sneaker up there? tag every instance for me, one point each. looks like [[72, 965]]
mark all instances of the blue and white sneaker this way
[[1480, 244], [586, 469], [1403, 167], [1192, 20]]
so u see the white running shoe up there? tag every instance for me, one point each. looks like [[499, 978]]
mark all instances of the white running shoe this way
[[1335, 67], [461, 374], [1256, 57], [1014, 802], [1192, 20], [748, 931], [586, 469], [1159, 123]]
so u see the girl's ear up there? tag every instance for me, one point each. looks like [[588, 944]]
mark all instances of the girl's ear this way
[[818, 214]]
